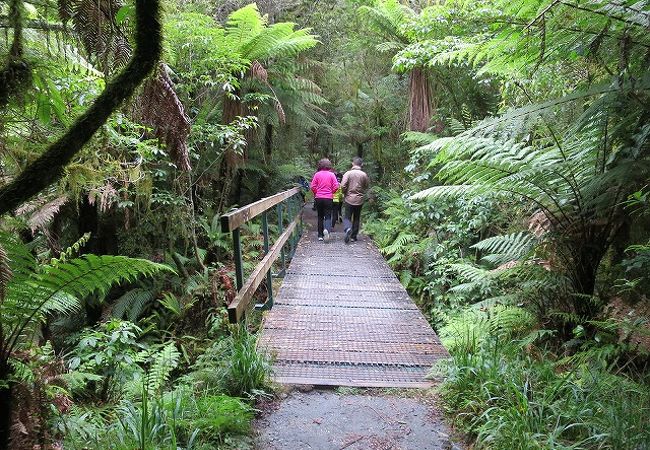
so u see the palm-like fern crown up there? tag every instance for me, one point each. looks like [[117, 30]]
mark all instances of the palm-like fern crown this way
[[388, 18], [248, 33]]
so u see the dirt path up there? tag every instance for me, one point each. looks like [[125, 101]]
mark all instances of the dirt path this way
[[353, 419]]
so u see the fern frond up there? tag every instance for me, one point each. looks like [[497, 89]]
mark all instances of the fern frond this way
[[163, 362], [40, 215], [133, 303], [510, 247], [31, 294], [399, 243], [509, 321]]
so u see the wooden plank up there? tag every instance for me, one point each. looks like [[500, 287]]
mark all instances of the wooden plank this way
[[244, 296], [238, 217]]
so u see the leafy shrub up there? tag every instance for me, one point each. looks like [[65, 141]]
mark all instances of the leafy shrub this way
[[109, 352]]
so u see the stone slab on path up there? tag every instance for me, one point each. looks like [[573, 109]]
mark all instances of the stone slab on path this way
[[362, 420]]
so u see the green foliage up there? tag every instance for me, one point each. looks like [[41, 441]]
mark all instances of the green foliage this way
[[109, 352], [504, 396], [423, 240], [179, 418], [32, 292], [217, 416], [506, 248], [233, 365]]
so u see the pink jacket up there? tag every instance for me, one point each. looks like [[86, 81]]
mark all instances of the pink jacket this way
[[324, 184]]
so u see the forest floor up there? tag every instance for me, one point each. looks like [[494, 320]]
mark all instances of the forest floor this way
[[353, 419]]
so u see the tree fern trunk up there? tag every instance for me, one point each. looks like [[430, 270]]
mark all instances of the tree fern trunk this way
[[6, 408], [268, 142], [584, 272], [419, 100]]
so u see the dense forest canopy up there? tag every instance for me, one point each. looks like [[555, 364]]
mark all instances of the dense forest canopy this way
[[508, 146]]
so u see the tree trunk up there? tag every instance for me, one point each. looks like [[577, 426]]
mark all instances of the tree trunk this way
[[237, 189], [419, 100], [268, 142], [49, 167], [6, 408], [360, 149], [583, 277]]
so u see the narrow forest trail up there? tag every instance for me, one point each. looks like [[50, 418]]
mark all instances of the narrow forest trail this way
[[342, 319]]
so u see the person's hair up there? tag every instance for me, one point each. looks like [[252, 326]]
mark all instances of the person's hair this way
[[357, 161], [339, 176], [324, 164]]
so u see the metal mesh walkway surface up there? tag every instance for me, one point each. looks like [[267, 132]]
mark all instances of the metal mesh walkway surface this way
[[342, 318]]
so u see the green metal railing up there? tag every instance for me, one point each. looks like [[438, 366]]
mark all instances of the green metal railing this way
[[288, 208]]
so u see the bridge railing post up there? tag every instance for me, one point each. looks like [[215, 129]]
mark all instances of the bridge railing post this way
[[239, 261], [269, 273], [283, 262]]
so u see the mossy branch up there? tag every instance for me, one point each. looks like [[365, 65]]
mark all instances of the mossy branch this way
[[48, 168]]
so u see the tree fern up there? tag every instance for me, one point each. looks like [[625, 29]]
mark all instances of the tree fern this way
[[32, 292], [564, 175]]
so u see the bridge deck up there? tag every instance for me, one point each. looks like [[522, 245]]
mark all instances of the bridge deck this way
[[342, 318]]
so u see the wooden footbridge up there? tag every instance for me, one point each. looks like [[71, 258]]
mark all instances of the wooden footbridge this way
[[341, 316]]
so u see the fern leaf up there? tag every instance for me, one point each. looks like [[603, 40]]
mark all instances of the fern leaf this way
[[132, 304], [162, 365], [510, 247]]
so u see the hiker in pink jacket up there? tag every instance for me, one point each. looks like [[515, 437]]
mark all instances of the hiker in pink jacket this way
[[323, 185]]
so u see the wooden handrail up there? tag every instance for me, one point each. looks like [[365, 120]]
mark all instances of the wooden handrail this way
[[242, 301], [234, 219]]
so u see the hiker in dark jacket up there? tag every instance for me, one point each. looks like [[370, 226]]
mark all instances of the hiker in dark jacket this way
[[354, 185]]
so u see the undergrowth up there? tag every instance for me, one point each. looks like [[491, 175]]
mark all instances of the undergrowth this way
[[507, 395]]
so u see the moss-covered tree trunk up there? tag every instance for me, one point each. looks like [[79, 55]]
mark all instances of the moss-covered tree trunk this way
[[49, 167]]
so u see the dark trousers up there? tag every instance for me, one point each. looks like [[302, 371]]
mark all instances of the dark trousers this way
[[352, 219], [336, 213], [324, 209]]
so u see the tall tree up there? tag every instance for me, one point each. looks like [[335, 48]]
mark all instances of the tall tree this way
[[390, 18]]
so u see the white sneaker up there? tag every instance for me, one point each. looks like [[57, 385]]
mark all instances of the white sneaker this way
[[320, 238], [326, 234]]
